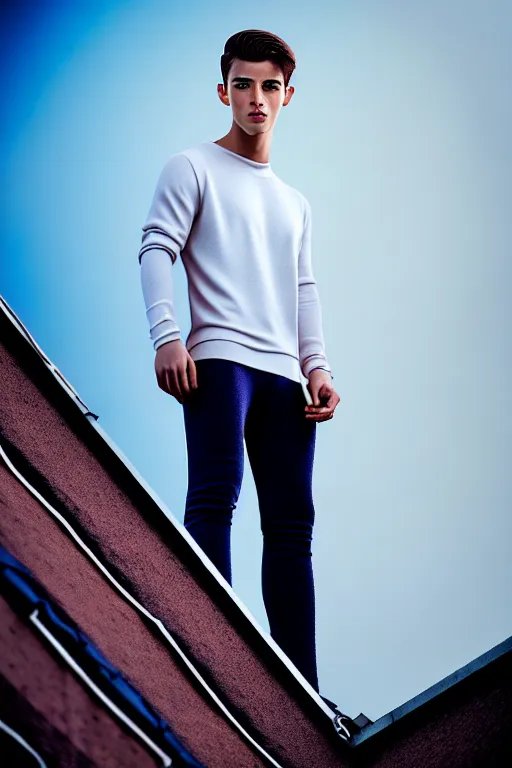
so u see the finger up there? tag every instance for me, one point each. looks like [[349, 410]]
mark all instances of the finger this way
[[320, 413], [318, 408], [192, 373], [158, 375], [175, 385], [167, 382], [162, 380], [328, 398], [331, 402], [183, 377]]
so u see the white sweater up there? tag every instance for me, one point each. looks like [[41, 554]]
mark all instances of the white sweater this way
[[245, 242]]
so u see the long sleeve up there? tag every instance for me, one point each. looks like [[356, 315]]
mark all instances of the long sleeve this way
[[311, 341], [157, 289], [175, 204]]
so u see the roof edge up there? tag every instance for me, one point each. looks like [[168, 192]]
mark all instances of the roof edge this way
[[451, 680], [111, 447]]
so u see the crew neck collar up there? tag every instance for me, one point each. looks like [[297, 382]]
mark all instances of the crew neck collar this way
[[263, 169]]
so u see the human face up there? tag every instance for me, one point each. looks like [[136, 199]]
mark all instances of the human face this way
[[253, 86]]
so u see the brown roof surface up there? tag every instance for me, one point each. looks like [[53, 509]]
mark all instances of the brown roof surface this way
[[466, 722], [53, 440], [58, 450], [29, 533], [45, 702]]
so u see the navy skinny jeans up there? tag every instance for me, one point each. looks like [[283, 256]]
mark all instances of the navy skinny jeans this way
[[234, 402]]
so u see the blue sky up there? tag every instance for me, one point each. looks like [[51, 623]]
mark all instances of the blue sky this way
[[399, 136]]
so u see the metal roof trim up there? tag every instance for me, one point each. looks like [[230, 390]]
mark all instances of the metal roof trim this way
[[433, 691]]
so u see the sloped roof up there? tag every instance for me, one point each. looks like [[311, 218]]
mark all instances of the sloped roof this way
[[239, 675], [463, 720], [28, 598], [96, 536]]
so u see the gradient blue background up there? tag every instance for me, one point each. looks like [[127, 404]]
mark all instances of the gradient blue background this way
[[399, 136]]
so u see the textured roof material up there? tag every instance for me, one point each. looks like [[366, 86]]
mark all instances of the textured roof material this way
[[56, 444], [35, 605], [61, 474]]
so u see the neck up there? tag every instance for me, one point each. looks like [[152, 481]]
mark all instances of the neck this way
[[255, 148]]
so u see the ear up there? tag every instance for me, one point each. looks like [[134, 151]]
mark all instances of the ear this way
[[222, 94], [289, 93]]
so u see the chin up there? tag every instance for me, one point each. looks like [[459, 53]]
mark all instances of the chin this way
[[254, 128]]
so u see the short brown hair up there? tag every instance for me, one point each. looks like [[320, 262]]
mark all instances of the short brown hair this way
[[257, 45]]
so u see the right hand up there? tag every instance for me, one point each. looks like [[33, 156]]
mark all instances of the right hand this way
[[175, 370]]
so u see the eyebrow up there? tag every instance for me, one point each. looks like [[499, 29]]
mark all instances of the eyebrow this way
[[250, 80]]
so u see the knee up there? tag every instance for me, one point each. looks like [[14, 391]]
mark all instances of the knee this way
[[219, 497], [289, 538]]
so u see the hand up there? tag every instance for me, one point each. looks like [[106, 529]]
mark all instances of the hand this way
[[175, 370], [325, 398]]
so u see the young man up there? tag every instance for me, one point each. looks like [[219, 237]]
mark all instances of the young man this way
[[245, 239]]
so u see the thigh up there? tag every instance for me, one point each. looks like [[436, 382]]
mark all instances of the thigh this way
[[214, 417], [281, 446]]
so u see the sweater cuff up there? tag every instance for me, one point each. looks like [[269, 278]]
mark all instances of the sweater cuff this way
[[317, 361], [321, 368]]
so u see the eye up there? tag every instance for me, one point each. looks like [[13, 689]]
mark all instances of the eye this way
[[272, 86]]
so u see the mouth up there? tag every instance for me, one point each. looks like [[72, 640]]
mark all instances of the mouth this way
[[257, 114]]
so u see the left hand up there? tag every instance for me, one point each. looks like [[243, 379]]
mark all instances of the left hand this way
[[325, 398]]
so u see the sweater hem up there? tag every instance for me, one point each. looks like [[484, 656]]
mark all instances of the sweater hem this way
[[279, 363]]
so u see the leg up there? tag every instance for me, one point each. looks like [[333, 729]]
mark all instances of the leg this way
[[214, 417], [280, 446]]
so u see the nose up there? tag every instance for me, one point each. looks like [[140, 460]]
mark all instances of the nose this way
[[257, 98]]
